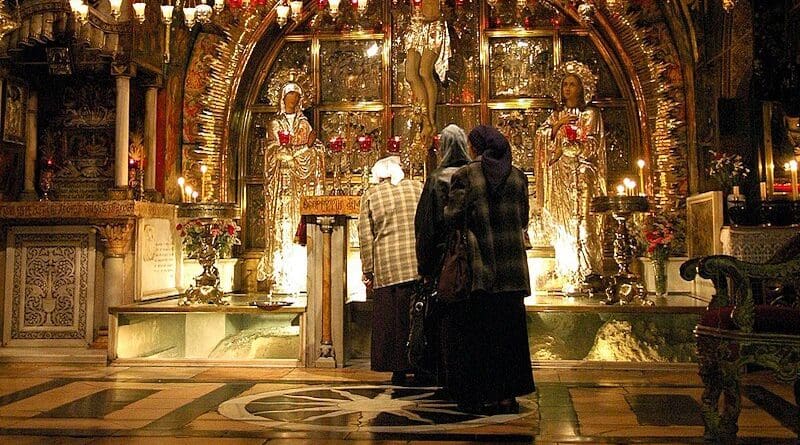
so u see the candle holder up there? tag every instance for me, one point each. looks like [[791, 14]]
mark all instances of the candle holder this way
[[625, 287], [365, 148], [335, 147]]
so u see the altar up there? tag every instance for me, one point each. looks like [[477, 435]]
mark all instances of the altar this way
[[127, 152]]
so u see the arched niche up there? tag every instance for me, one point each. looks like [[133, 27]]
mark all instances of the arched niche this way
[[642, 92]]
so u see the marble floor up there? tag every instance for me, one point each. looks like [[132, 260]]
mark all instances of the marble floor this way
[[86, 404]]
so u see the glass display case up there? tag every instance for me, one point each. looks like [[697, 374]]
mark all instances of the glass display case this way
[[163, 332]]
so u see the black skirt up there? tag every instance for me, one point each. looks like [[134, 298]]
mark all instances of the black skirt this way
[[485, 349], [390, 323]]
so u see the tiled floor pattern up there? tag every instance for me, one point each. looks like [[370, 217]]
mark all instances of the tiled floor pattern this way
[[54, 405]]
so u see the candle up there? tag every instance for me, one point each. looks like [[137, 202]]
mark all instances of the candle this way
[[640, 164], [763, 189], [181, 183], [620, 190], [365, 143], [203, 171], [194, 196], [631, 188], [284, 137], [189, 192], [393, 145], [793, 169]]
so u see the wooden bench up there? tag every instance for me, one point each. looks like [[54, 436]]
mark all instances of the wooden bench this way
[[753, 318]]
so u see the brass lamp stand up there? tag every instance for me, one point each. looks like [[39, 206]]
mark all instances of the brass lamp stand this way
[[625, 287]]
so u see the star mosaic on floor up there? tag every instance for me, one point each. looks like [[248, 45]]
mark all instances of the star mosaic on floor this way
[[373, 409]]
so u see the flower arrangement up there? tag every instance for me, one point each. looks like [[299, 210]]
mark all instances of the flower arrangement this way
[[660, 236], [220, 235], [727, 168]]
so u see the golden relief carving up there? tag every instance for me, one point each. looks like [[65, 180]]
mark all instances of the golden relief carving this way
[[116, 238], [83, 210], [330, 205]]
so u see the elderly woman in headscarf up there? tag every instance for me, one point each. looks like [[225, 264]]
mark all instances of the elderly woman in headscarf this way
[[388, 261], [487, 360], [432, 232]]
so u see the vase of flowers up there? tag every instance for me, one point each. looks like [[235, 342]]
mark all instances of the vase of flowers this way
[[206, 240], [727, 168], [659, 234]]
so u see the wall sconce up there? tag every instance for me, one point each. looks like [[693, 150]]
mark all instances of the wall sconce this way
[[297, 9], [189, 15], [283, 14], [219, 5], [166, 19], [80, 10], [139, 10], [361, 5], [116, 7], [334, 4], [203, 12]]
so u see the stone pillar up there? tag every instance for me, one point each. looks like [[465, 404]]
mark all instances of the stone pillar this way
[[327, 354], [150, 104], [123, 111], [31, 142], [116, 239]]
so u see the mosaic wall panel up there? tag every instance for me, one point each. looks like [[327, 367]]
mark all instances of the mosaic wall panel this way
[[254, 217], [465, 117], [620, 156], [535, 14], [520, 67], [49, 286], [349, 71], [519, 126], [582, 49], [462, 81], [293, 56], [257, 140]]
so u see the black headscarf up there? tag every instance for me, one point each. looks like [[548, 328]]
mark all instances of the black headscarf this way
[[453, 146], [495, 153]]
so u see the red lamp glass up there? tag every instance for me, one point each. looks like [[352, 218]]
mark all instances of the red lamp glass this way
[[365, 143], [284, 137]]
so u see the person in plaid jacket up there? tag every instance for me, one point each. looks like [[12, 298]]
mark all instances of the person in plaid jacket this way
[[389, 262]]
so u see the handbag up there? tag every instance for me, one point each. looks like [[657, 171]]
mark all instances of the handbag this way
[[418, 346], [455, 279]]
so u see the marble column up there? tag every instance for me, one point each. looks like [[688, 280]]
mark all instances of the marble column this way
[[116, 239], [327, 354], [150, 104], [123, 111], [31, 142]]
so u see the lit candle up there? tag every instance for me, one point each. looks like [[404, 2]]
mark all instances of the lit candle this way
[[620, 190], [626, 182], [640, 164], [763, 189], [631, 186], [194, 196], [793, 169], [203, 171], [181, 183], [189, 192]]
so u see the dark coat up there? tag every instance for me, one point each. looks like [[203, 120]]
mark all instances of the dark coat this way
[[429, 223], [495, 228]]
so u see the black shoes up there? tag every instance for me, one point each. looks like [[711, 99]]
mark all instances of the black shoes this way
[[505, 406]]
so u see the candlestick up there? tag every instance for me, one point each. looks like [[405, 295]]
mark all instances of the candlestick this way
[[793, 169], [203, 171], [763, 189], [181, 183], [640, 164]]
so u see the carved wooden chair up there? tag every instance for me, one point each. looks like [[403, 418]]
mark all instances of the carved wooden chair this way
[[739, 329]]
